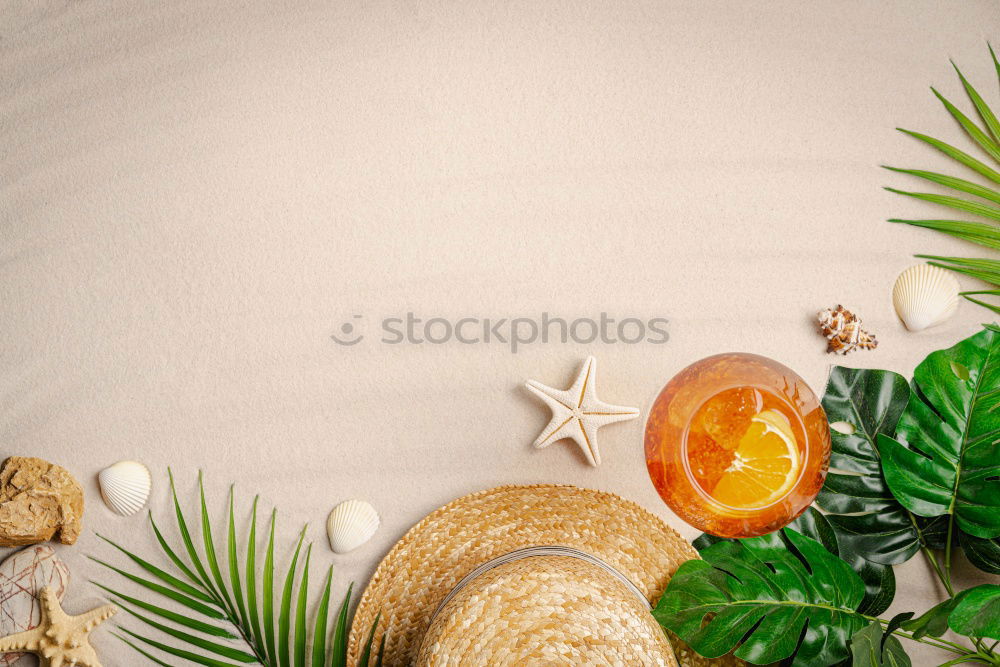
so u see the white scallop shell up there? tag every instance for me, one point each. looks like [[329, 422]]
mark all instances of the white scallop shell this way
[[924, 296], [351, 524], [125, 486]]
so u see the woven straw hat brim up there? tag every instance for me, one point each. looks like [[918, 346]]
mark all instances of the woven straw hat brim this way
[[546, 610], [427, 563]]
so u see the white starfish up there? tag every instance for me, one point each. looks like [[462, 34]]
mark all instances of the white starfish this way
[[60, 640], [577, 413]]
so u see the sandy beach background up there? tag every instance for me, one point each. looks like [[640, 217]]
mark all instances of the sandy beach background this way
[[195, 196]]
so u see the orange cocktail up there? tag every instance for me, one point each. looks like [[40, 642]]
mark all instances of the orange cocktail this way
[[737, 445]]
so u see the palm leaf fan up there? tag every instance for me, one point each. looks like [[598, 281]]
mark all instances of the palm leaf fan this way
[[215, 614], [981, 199]]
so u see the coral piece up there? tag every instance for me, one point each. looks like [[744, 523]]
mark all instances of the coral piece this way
[[125, 486], [577, 413], [351, 524], [38, 500], [843, 331], [60, 640], [924, 296], [22, 576]]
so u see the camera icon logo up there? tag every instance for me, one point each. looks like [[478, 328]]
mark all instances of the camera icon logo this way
[[347, 331]]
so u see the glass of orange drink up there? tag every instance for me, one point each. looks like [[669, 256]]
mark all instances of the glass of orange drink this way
[[737, 445]]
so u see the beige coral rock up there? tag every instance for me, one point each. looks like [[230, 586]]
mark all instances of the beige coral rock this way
[[37, 500], [61, 640]]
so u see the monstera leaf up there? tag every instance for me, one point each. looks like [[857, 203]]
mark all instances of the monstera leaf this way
[[934, 621], [768, 598], [879, 579], [873, 530], [880, 582], [810, 523], [974, 613], [984, 554], [943, 459], [862, 404], [873, 647], [977, 613]]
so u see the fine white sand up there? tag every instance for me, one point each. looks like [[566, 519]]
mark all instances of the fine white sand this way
[[194, 196]]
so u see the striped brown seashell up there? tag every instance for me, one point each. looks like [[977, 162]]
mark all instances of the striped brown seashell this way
[[843, 331]]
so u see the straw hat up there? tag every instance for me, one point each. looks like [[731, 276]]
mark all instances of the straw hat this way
[[464, 585], [545, 609]]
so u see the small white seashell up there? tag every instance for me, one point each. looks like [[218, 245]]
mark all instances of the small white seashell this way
[[844, 428], [924, 296], [125, 486], [351, 524]]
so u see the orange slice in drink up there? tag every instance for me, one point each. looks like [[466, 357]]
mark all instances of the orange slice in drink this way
[[765, 467]]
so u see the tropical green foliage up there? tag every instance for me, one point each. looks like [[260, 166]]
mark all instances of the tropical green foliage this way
[[954, 404], [933, 622], [977, 613], [974, 612], [861, 404], [944, 460], [759, 595], [912, 469], [873, 646], [984, 554], [879, 580], [811, 524], [221, 616], [987, 140], [873, 530]]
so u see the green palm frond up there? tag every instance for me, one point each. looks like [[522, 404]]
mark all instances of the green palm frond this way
[[974, 232], [975, 208], [984, 269], [980, 302], [959, 184], [220, 618], [957, 155], [987, 140]]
